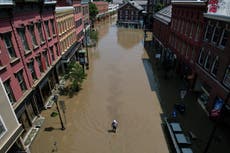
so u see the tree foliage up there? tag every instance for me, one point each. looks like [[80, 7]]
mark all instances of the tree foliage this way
[[93, 11], [75, 75], [158, 7]]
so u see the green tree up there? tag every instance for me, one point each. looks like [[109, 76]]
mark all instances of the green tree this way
[[158, 7], [75, 75], [93, 11]]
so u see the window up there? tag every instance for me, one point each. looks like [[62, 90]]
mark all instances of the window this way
[[3, 129], [187, 29], [21, 80], [178, 26], [191, 31], [182, 27], [39, 25], [9, 45], [9, 91], [215, 66], [226, 80], [201, 57], [216, 34], [34, 41], [224, 37], [40, 64], [47, 28], [208, 32], [46, 58], [197, 33], [193, 54], [187, 51], [32, 71], [52, 53], [22, 35], [207, 63]]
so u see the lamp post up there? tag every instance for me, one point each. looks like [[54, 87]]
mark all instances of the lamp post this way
[[55, 100]]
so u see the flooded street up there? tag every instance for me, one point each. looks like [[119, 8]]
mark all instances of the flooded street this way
[[116, 87]]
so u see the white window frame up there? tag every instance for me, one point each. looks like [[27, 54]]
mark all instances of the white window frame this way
[[206, 59], [206, 30], [197, 33], [222, 35], [191, 30], [213, 65], [201, 54], [33, 36], [225, 76], [4, 127], [11, 53]]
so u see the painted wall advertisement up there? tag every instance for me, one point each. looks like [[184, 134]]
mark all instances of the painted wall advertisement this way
[[219, 7]]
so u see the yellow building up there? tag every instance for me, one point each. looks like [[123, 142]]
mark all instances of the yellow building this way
[[67, 35]]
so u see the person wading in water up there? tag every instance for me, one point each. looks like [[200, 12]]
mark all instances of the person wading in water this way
[[114, 125]]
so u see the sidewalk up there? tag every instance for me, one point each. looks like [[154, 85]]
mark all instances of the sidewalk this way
[[194, 119]]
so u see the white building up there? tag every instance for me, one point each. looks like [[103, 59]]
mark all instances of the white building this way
[[10, 129]]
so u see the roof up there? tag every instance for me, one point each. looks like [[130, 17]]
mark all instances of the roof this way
[[164, 15], [65, 8], [219, 9], [85, 1], [134, 4], [192, 2], [117, 1], [142, 2]]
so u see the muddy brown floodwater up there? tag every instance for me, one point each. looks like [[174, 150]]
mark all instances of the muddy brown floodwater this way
[[116, 87]]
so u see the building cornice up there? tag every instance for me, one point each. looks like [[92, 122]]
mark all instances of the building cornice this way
[[196, 3], [217, 17]]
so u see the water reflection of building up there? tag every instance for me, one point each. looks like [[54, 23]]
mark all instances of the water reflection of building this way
[[128, 38], [28, 58]]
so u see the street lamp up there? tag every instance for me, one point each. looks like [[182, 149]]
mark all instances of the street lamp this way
[[55, 100]]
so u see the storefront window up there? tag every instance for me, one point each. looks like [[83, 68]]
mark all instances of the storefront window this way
[[25, 123], [30, 110]]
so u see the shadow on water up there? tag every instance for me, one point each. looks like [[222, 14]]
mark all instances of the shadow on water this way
[[111, 131], [152, 78], [150, 75], [50, 129]]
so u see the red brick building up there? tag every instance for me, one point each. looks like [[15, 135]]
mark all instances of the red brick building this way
[[102, 7], [161, 33], [213, 64], [185, 41], [28, 57]]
